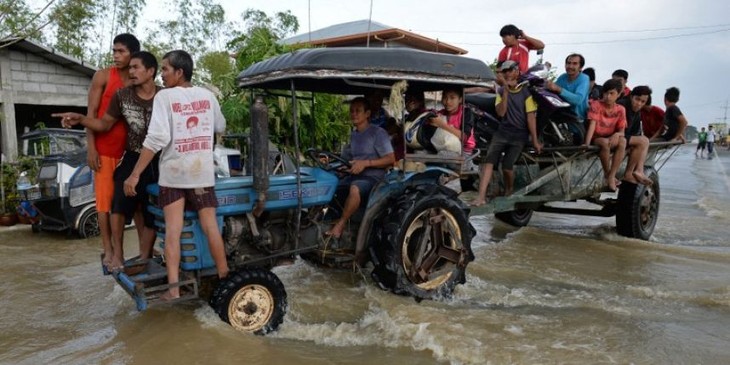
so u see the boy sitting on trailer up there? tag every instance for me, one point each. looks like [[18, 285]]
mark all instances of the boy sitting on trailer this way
[[606, 125]]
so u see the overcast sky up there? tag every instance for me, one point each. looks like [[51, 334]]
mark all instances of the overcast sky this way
[[661, 43]]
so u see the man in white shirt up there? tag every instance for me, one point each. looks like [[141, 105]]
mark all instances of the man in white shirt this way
[[184, 120], [710, 142]]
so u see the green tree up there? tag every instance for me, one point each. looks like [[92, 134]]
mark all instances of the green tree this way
[[126, 14], [324, 118], [197, 27], [18, 20], [74, 21]]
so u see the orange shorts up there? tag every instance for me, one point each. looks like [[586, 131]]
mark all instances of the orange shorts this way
[[104, 183]]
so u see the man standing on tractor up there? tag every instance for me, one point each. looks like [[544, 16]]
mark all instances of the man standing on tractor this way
[[132, 106], [184, 121], [105, 149]]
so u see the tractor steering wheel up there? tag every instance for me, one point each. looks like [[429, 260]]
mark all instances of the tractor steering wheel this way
[[334, 162]]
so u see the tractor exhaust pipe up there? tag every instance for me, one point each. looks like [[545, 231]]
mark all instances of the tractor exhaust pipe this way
[[260, 152]]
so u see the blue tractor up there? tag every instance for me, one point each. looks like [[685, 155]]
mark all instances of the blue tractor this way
[[413, 235]]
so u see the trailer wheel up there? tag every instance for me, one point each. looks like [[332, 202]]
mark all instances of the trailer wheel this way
[[638, 207], [517, 218], [251, 300], [89, 224], [425, 244]]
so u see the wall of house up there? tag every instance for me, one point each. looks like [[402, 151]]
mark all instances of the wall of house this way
[[35, 80], [26, 78]]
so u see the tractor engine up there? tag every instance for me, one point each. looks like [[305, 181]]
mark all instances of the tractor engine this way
[[246, 237]]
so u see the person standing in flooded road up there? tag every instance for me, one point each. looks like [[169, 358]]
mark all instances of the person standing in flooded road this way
[[710, 142]]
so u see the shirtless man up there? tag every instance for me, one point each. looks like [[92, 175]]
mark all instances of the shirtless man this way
[[105, 149]]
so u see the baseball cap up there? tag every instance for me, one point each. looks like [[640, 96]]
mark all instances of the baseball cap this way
[[508, 65]]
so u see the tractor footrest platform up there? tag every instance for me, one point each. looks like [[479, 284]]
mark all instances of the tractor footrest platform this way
[[146, 281]]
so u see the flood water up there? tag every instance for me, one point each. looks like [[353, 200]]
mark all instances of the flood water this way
[[565, 289]]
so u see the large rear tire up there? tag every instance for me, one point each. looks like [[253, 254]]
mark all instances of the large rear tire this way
[[517, 218], [638, 207], [425, 244], [251, 300]]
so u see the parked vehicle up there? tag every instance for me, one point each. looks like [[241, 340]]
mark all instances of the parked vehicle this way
[[64, 195]]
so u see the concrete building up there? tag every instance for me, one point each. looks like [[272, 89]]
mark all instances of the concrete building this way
[[36, 81], [357, 33]]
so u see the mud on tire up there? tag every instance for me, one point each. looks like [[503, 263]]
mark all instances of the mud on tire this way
[[424, 244], [251, 300]]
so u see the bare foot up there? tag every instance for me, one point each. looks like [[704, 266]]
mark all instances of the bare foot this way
[[106, 259], [629, 178], [611, 182], [642, 179], [116, 264], [171, 294], [336, 230], [478, 202]]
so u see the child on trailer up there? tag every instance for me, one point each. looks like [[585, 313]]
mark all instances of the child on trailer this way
[[606, 125]]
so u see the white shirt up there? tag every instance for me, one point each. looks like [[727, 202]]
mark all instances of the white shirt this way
[[184, 122], [711, 136]]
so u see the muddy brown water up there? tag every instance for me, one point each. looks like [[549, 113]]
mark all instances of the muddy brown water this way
[[565, 289]]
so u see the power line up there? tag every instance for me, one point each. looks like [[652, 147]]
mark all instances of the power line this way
[[609, 41], [580, 32]]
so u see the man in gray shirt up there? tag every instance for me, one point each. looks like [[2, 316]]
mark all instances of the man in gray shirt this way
[[369, 154], [514, 104]]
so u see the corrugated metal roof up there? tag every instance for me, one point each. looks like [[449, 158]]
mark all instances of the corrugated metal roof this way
[[355, 34], [48, 53], [337, 30]]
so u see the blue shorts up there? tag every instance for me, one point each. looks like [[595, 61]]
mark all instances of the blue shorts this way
[[364, 183]]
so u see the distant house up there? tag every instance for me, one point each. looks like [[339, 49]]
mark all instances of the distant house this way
[[355, 34], [36, 81]]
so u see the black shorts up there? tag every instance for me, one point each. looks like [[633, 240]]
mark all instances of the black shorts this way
[[701, 145], [127, 205], [510, 148], [669, 134]]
